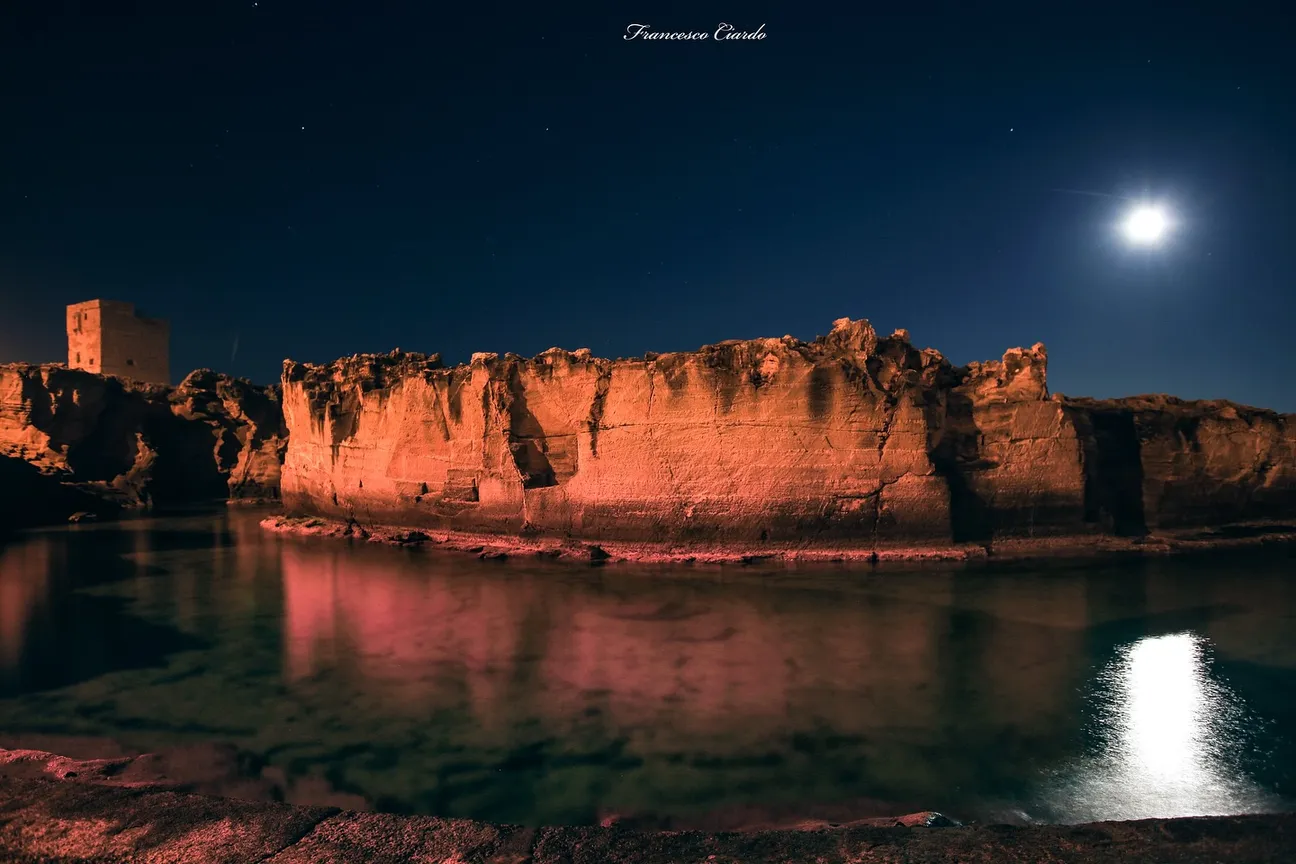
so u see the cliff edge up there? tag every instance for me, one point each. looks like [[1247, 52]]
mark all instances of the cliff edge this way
[[854, 441]]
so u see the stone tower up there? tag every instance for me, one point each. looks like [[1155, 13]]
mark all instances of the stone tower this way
[[107, 337]]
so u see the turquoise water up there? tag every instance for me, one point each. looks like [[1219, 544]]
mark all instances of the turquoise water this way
[[518, 691]]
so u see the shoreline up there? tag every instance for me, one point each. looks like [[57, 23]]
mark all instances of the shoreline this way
[[54, 809], [500, 546]]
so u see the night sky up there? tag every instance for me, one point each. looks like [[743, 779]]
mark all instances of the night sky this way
[[318, 179]]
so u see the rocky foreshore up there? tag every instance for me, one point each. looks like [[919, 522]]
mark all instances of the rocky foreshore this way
[[54, 809], [496, 546], [851, 446]]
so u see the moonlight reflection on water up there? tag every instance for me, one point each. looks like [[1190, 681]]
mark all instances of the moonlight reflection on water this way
[[1172, 740]]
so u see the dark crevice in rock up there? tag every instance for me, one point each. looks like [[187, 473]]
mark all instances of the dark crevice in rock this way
[[597, 405], [528, 443], [820, 392], [957, 451], [1113, 495]]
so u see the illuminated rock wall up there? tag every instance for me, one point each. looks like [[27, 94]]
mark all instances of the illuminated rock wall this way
[[852, 440], [848, 439]]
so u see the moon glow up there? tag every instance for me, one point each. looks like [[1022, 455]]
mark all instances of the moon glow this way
[[1146, 225]]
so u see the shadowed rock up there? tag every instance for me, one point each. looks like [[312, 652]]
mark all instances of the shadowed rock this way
[[109, 444]]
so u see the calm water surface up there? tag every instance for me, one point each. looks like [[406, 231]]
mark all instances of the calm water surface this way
[[537, 693]]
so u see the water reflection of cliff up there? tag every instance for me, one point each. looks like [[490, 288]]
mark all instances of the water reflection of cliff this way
[[54, 632], [823, 690], [24, 577]]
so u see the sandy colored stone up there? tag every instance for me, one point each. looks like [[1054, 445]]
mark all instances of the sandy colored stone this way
[[769, 440], [854, 443], [109, 337], [104, 444]]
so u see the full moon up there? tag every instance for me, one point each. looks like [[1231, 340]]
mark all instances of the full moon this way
[[1146, 225]]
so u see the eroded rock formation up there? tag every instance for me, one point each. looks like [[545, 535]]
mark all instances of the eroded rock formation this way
[[852, 440], [74, 440]]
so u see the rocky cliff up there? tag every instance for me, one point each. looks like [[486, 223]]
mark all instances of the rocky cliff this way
[[851, 441], [73, 440]]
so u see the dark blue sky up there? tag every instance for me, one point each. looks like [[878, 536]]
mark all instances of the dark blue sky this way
[[519, 176]]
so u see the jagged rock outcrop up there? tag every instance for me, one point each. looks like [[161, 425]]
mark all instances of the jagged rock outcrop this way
[[246, 422], [106, 443], [852, 440]]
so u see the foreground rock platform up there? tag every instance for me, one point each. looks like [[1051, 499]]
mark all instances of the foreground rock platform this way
[[854, 442], [54, 809]]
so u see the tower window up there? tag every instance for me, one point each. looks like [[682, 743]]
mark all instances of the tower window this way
[[91, 361], [130, 362], [78, 357]]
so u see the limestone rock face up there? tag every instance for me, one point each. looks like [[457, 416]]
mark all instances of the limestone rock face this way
[[850, 440], [764, 440], [126, 444]]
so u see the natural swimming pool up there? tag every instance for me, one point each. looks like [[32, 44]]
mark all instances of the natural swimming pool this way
[[537, 692]]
